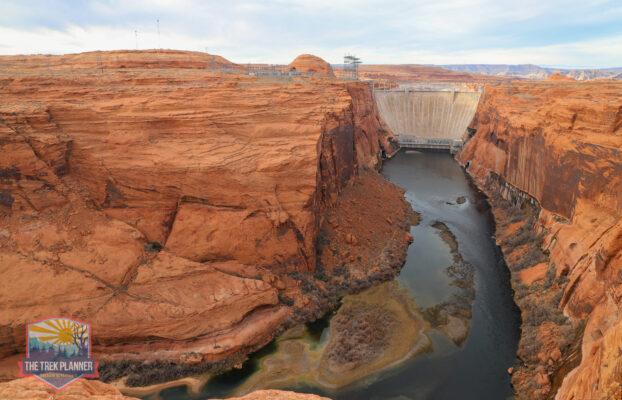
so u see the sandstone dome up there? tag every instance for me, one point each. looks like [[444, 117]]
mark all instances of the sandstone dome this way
[[557, 77], [311, 63]]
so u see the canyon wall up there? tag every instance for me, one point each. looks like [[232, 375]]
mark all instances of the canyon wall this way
[[428, 114], [556, 148], [175, 209]]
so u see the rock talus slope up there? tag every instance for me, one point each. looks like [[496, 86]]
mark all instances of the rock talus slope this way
[[168, 205], [558, 147]]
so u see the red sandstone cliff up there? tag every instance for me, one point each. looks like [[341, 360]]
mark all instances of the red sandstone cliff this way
[[169, 206], [561, 143]]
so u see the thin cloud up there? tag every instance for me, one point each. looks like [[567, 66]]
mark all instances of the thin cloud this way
[[379, 31]]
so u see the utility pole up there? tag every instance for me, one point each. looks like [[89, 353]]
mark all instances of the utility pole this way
[[100, 64], [158, 22], [136, 35]]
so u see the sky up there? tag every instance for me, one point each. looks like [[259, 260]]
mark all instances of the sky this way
[[571, 34]]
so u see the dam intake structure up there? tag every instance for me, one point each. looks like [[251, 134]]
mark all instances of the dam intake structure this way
[[428, 116]]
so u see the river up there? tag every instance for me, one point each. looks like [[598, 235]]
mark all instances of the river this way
[[472, 367]]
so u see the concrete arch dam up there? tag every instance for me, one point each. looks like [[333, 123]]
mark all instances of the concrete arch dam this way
[[428, 119]]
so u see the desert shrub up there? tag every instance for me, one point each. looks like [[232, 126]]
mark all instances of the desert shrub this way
[[153, 246], [320, 274], [521, 290], [545, 310], [286, 300], [295, 274], [550, 279], [114, 370], [307, 283], [308, 286], [529, 346], [532, 256], [523, 235], [568, 332], [514, 213], [142, 374]]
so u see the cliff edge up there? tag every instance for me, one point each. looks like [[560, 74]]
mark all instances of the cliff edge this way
[[175, 209], [554, 151]]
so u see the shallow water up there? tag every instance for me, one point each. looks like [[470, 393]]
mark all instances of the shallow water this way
[[476, 369]]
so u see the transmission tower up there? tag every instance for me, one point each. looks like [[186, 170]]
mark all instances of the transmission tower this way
[[351, 66]]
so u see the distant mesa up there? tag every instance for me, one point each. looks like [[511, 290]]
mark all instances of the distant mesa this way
[[535, 72], [311, 63], [556, 77], [117, 59]]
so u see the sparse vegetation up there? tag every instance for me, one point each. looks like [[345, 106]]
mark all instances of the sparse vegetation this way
[[141, 374], [320, 274], [153, 247], [286, 300], [544, 325]]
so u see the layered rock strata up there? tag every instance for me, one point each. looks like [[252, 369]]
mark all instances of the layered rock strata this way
[[554, 151], [175, 209]]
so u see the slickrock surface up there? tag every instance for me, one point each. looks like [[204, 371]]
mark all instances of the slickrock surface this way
[[311, 63], [278, 395], [561, 143], [168, 206], [34, 389]]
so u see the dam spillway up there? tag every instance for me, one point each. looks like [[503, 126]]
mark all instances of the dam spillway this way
[[428, 118]]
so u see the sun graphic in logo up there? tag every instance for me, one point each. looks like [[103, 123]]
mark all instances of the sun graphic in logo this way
[[58, 331]]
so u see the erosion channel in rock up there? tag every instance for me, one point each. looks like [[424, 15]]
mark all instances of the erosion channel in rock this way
[[445, 328]]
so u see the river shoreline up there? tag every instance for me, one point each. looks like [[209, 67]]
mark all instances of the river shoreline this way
[[451, 335], [347, 230], [549, 345]]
